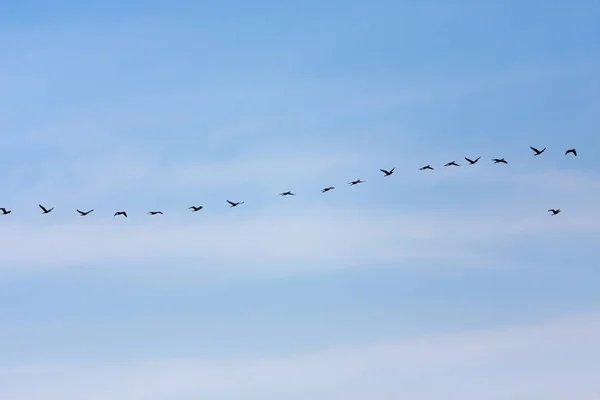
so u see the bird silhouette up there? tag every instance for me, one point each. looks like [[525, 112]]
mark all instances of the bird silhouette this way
[[123, 213], [499, 160], [327, 189], [388, 173], [81, 213], [288, 193], [356, 182], [45, 210], [154, 212], [426, 167], [471, 162], [194, 208], [573, 151], [235, 204], [553, 211], [536, 151], [5, 211], [453, 163]]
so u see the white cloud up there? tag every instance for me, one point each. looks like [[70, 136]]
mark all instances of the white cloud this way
[[558, 357]]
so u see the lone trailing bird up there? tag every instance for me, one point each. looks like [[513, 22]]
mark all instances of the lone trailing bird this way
[[573, 151], [81, 213], [536, 151], [553, 211], [235, 204], [5, 211], [154, 212], [453, 163], [194, 208], [327, 189], [356, 182], [123, 213], [45, 210], [288, 193], [499, 160], [388, 173], [471, 162], [426, 167]]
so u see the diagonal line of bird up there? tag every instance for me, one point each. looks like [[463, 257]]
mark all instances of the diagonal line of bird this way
[[386, 173]]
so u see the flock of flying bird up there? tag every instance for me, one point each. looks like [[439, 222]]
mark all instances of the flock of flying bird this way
[[4, 211]]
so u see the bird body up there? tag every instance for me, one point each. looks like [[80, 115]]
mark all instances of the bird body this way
[[154, 212], [327, 189], [82, 214], [356, 182], [536, 151], [471, 162], [45, 210], [5, 211], [426, 167], [123, 213], [572, 151], [499, 160], [388, 173], [235, 204], [288, 193], [452, 163], [554, 211], [195, 208]]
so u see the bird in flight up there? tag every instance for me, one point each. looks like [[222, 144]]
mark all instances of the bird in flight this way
[[499, 160], [572, 151], [471, 162], [356, 182], [45, 210], [327, 189], [82, 214], [5, 211], [453, 163], [235, 204], [536, 151], [388, 173], [288, 193], [426, 167], [194, 208], [123, 213], [154, 212], [553, 211]]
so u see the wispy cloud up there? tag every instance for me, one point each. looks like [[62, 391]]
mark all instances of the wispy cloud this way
[[555, 356]]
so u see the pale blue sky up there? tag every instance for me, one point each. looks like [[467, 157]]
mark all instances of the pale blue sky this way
[[452, 283]]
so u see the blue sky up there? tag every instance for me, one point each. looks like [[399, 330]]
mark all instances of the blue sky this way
[[452, 283]]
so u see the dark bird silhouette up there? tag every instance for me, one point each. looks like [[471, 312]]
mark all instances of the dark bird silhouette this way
[[553, 211], [388, 173], [356, 182], [123, 213], [288, 193], [235, 204], [82, 214], [573, 151], [5, 211], [45, 210], [471, 162], [194, 208], [453, 163], [327, 189], [426, 167], [536, 151], [499, 160], [154, 212]]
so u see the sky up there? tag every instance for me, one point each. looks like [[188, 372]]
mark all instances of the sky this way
[[454, 283]]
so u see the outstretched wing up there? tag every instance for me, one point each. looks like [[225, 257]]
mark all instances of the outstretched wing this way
[[43, 208], [231, 202]]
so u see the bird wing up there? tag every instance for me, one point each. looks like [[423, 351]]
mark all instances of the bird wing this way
[[534, 149], [575, 152], [231, 202], [43, 208]]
